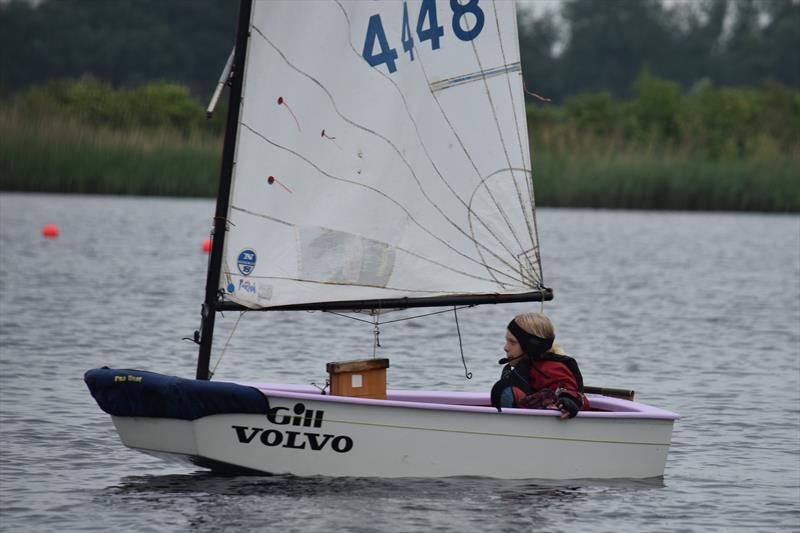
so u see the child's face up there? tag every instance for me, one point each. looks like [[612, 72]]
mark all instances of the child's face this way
[[512, 348]]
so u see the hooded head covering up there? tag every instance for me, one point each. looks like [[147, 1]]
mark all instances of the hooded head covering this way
[[531, 344]]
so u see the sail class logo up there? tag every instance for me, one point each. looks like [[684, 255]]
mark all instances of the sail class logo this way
[[298, 440], [247, 286], [246, 261]]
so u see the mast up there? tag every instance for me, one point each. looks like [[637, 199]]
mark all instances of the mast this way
[[211, 303]]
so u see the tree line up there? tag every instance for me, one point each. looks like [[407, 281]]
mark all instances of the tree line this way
[[606, 44], [586, 46], [666, 106], [125, 43]]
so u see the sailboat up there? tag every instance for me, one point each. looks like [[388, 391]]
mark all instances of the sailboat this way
[[376, 157]]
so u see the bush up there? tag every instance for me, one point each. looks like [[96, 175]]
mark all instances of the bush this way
[[97, 104], [656, 108], [720, 122], [596, 113]]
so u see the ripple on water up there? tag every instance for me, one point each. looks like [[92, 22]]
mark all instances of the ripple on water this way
[[655, 302]]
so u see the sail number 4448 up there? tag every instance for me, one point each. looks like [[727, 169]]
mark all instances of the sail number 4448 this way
[[427, 29]]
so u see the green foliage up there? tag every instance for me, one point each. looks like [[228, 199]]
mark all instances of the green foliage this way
[[713, 148], [656, 107], [126, 43], [595, 113], [85, 136], [97, 104], [777, 115], [708, 122], [580, 46], [63, 155], [641, 181], [734, 43], [720, 120], [608, 46]]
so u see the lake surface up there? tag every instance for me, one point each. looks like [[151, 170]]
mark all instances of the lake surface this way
[[698, 312]]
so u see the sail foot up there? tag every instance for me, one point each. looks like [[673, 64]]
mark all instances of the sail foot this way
[[543, 294]]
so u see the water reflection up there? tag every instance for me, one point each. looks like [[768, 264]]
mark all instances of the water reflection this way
[[252, 484], [213, 501]]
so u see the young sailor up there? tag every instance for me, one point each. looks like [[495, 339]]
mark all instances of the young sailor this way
[[537, 374]]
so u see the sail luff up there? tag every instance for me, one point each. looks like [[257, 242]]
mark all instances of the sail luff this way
[[210, 305]]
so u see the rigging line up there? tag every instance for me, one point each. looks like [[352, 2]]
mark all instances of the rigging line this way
[[225, 347], [538, 250], [376, 328], [428, 156], [472, 162], [422, 144], [461, 144], [409, 252], [467, 373], [396, 150], [529, 179], [522, 151], [535, 245], [502, 143], [396, 319], [381, 193]]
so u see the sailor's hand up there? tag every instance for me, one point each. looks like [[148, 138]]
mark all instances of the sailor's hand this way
[[569, 407]]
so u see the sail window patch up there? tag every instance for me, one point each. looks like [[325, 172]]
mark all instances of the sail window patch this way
[[331, 256]]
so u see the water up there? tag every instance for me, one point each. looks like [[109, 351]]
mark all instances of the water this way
[[700, 313]]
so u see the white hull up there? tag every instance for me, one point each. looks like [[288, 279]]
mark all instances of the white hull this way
[[416, 435]]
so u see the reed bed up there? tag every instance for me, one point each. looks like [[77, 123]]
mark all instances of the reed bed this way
[[571, 168], [64, 155], [589, 171]]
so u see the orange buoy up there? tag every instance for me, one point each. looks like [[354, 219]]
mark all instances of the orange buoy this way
[[207, 245], [50, 231]]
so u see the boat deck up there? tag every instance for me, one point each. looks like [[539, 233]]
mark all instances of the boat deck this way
[[602, 406]]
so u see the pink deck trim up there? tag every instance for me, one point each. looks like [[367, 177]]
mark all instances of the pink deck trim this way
[[468, 402]]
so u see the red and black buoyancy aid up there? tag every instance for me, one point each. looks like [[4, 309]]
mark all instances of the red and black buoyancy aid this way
[[547, 371]]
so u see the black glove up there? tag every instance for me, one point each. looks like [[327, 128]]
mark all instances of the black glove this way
[[569, 404]]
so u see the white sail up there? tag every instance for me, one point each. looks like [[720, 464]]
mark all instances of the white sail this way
[[382, 152]]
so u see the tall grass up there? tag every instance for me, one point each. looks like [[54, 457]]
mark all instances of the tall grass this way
[[66, 155], [712, 149], [584, 170]]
